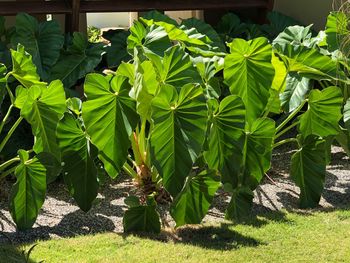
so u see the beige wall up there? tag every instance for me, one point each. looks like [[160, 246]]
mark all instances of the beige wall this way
[[306, 11]]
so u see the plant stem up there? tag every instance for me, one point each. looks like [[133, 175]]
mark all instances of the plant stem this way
[[291, 116], [128, 169], [285, 142], [286, 129], [240, 178], [12, 98], [6, 164], [9, 134], [3, 122], [4, 174]]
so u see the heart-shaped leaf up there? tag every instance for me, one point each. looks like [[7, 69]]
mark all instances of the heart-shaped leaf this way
[[23, 68], [142, 218], [180, 121], [193, 202], [28, 193], [247, 166], [310, 63], [116, 51], [43, 41], [80, 58], [308, 170], [42, 109], [176, 68], [225, 130], [110, 117], [249, 73], [241, 204], [323, 114], [77, 153]]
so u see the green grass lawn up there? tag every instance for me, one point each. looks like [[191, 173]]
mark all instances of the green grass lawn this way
[[273, 237]]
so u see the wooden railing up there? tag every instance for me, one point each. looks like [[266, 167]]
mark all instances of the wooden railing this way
[[72, 8]]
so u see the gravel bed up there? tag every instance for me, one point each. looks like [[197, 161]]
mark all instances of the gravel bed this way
[[60, 217]]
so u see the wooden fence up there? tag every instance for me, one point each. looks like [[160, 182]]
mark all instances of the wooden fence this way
[[72, 8]]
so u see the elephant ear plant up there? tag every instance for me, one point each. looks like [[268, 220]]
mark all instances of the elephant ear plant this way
[[184, 118], [41, 105]]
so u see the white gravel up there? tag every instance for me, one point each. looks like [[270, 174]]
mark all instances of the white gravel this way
[[60, 217]]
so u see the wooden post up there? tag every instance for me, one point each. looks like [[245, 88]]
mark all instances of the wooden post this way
[[72, 20]]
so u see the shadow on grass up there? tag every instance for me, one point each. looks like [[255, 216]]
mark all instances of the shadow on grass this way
[[221, 237], [10, 253], [214, 237]]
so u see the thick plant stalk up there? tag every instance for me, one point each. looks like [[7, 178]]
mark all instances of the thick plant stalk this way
[[8, 163], [286, 130], [290, 117], [4, 120], [285, 142], [9, 134]]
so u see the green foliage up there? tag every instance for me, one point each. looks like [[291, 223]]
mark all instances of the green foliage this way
[[324, 113], [308, 169], [78, 154], [28, 193], [193, 203], [249, 73], [180, 120], [43, 41], [110, 117], [180, 115], [141, 218], [80, 58]]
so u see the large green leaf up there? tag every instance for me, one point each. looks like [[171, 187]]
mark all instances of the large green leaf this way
[[249, 73], [225, 130], [23, 68], [295, 35], [43, 109], [180, 121], [309, 62], [43, 41], [176, 68], [28, 193], [308, 170], [79, 171], [110, 118], [247, 165], [207, 69], [193, 202], [142, 218], [177, 34], [145, 88], [230, 27], [323, 114], [241, 204], [153, 40], [337, 30], [80, 58], [205, 29], [258, 150], [116, 51], [297, 88]]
